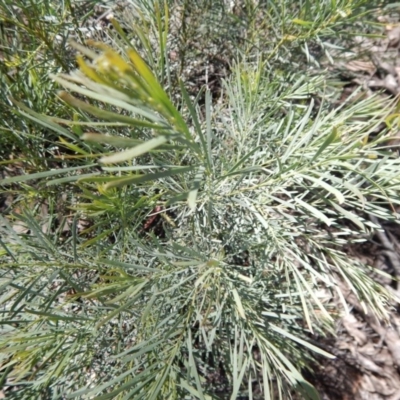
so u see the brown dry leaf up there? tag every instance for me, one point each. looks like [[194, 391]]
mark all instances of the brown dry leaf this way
[[82, 225], [393, 34], [66, 224], [20, 227], [397, 70], [392, 341], [368, 350], [369, 365], [351, 324], [5, 202], [44, 212], [388, 67], [361, 66], [381, 386], [389, 83], [367, 384], [394, 141], [384, 357]]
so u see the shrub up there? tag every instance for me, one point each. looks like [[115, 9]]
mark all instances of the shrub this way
[[205, 245]]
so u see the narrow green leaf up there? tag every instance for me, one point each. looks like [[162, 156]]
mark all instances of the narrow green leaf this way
[[136, 179], [319, 182], [239, 306], [308, 390], [134, 168], [159, 383], [196, 122], [297, 133], [193, 392], [356, 191], [208, 128], [116, 312], [40, 175], [97, 238], [318, 214], [301, 22], [73, 147], [193, 114], [195, 188], [349, 215], [192, 364], [304, 343], [130, 292], [333, 137], [127, 266], [117, 141], [56, 317], [134, 152], [69, 179], [136, 381], [109, 115], [42, 120], [297, 275], [66, 358], [242, 160], [240, 364], [181, 197], [108, 95], [83, 49]]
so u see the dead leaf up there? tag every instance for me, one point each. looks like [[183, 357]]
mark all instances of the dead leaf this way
[[393, 34], [384, 357], [389, 83], [369, 365], [351, 324], [381, 386], [361, 66], [20, 227], [367, 384]]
